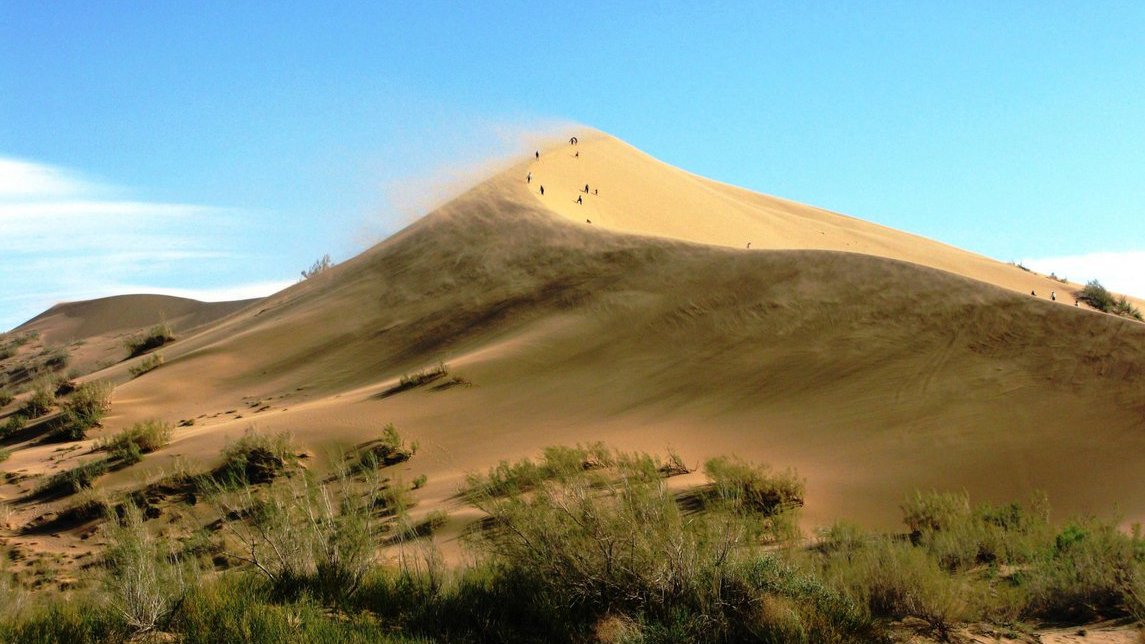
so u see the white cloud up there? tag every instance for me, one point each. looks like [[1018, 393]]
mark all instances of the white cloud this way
[[66, 238], [1120, 272], [26, 180]]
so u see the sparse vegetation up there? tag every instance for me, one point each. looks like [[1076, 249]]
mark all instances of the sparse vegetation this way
[[42, 400], [254, 458], [150, 363], [1096, 295], [391, 449], [57, 359], [153, 338], [128, 446], [5, 454], [15, 423], [144, 579], [587, 543], [319, 266], [74, 480], [84, 410], [6, 397]]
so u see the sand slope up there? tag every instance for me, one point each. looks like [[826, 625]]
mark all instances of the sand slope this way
[[871, 375], [93, 330]]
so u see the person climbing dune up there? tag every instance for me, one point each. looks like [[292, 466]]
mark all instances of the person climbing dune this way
[[579, 201], [542, 190], [529, 178]]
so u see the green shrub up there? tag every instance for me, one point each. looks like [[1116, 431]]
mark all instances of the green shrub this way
[[129, 445], [15, 423], [5, 454], [319, 266], [41, 401], [84, 410], [896, 580], [150, 363], [749, 488], [144, 581], [1091, 571], [611, 538], [74, 480], [6, 397], [57, 359], [557, 463], [303, 535], [155, 337], [1096, 295], [254, 458], [390, 449]]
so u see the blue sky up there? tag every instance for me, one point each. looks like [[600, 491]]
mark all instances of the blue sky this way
[[214, 149]]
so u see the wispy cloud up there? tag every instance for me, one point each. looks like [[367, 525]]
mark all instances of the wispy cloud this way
[[1120, 272], [65, 237]]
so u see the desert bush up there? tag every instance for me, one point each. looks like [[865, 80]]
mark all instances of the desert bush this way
[[319, 266], [129, 445], [254, 458], [6, 397], [42, 399], [418, 378], [153, 338], [74, 480], [895, 579], [5, 454], [1091, 570], [15, 423], [747, 487], [143, 577], [613, 539], [960, 536], [559, 463], [390, 449], [150, 363], [1096, 295], [304, 535], [84, 410], [57, 359]]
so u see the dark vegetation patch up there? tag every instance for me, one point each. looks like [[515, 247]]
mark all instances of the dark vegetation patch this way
[[416, 379], [1096, 295], [155, 337]]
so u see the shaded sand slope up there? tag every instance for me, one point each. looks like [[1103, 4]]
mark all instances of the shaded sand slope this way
[[872, 376]]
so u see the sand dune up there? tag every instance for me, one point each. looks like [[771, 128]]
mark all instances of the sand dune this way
[[93, 330], [899, 364]]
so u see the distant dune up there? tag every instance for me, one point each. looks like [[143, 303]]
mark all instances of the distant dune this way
[[93, 330], [873, 361]]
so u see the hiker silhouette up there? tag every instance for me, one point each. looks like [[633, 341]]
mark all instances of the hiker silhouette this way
[[579, 201], [542, 191]]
